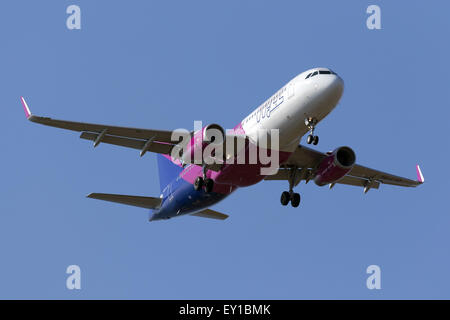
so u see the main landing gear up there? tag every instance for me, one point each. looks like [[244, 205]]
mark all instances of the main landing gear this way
[[290, 195], [201, 182], [311, 124], [208, 183]]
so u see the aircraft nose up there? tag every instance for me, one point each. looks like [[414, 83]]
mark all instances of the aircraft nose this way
[[339, 84], [334, 87]]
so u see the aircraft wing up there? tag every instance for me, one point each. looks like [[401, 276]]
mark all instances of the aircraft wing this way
[[307, 159], [158, 141]]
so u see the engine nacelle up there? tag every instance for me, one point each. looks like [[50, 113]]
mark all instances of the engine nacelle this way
[[336, 165], [210, 133], [200, 140]]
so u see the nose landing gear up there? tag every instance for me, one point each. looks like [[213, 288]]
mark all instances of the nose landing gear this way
[[311, 124]]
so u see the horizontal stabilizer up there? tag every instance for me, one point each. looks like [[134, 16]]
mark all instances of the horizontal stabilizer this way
[[208, 213], [137, 201]]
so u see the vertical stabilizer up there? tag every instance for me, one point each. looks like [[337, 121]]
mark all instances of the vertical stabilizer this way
[[168, 170]]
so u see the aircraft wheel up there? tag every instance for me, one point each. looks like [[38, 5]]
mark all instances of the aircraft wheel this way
[[315, 140], [198, 183], [209, 184], [285, 197], [295, 201], [310, 139]]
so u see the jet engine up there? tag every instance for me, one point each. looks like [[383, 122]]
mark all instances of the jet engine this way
[[211, 132], [193, 152], [334, 166]]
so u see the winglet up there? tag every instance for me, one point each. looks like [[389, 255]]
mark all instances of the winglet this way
[[420, 177], [25, 108]]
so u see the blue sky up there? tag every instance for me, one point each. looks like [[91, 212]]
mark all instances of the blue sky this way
[[163, 64]]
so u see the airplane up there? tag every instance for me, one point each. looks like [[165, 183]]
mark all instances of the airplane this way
[[191, 188]]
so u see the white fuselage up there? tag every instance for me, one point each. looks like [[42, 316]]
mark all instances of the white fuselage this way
[[298, 100]]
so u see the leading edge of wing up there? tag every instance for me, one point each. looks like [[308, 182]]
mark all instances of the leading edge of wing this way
[[387, 178], [164, 136]]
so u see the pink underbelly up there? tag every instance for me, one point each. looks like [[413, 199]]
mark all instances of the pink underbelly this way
[[243, 175]]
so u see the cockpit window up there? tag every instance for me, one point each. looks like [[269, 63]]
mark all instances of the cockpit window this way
[[315, 73]]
